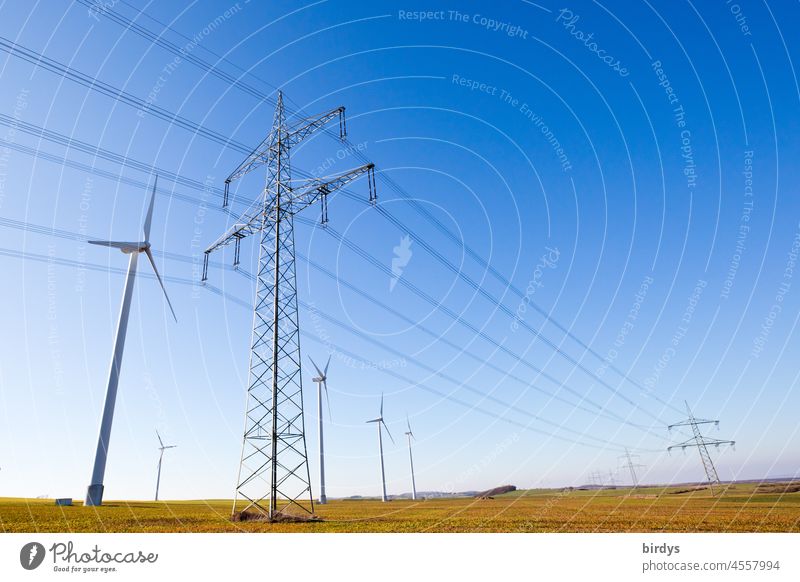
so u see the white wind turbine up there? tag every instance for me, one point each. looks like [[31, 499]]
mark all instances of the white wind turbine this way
[[410, 436], [94, 494], [379, 421], [162, 448], [322, 381]]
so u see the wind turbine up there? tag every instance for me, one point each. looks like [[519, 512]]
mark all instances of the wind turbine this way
[[162, 448], [321, 380], [410, 436], [379, 421], [94, 494]]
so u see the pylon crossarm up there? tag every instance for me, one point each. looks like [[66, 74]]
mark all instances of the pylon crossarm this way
[[688, 443], [250, 222], [691, 422], [306, 127], [319, 188], [257, 158], [267, 149], [692, 442], [715, 442]]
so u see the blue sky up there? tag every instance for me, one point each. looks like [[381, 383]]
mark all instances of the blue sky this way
[[627, 166]]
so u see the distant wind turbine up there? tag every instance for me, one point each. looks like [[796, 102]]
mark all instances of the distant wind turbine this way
[[410, 436], [322, 381], [379, 421], [94, 494], [162, 448]]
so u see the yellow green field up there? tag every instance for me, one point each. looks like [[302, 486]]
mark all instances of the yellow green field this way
[[739, 508]]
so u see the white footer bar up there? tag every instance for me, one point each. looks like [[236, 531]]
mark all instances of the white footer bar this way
[[388, 557]]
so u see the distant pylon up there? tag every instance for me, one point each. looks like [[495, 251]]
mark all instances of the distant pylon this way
[[701, 442], [274, 475], [631, 466]]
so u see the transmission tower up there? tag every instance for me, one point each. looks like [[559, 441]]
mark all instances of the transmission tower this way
[[702, 443], [274, 475], [631, 466]]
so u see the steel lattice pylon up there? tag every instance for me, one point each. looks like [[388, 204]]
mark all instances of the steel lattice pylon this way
[[631, 466], [702, 443], [274, 475]]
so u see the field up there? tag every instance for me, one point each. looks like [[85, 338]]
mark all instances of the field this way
[[739, 508]]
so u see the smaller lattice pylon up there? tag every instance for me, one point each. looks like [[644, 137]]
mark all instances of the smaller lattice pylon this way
[[631, 465], [702, 443]]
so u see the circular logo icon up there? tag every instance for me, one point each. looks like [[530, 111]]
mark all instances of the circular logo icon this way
[[31, 555]]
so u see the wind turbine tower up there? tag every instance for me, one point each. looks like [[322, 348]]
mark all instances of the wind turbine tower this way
[[94, 493], [322, 381], [379, 421], [410, 435], [162, 448]]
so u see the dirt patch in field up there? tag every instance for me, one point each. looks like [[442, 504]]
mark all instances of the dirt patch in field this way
[[689, 490], [496, 491], [778, 488], [278, 518]]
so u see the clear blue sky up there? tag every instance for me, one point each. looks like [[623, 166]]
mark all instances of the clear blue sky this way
[[640, 148]]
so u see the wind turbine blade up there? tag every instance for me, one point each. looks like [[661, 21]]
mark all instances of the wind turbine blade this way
[[123, 246], [321, 375], [408, 424], [153, 263], [159, 440], [327, 398], [328, 363], [381, 415], [148, 220], [387, 431]]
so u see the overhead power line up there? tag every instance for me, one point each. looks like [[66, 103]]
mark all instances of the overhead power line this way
[[98, 152], [52, 259], [49, 64], [185, 54], [95, 84], [455, 316], [236, 81], [69, 235], [218, 193]]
